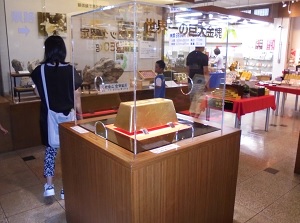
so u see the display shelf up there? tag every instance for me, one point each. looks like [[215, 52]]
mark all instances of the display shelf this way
[[259, 65]]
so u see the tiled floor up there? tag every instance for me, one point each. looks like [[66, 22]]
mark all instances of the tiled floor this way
[[263, 195]]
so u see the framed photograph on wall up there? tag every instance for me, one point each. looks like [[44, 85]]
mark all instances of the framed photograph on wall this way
[[52, 23]]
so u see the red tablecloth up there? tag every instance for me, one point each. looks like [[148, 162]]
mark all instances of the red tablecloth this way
[[285, 89], [248, 105]]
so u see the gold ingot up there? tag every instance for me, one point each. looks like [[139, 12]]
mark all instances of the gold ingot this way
[[150, 113], [181, 78]]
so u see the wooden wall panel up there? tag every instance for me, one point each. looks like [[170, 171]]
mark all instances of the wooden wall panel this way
[[196, 186], [102, 189]]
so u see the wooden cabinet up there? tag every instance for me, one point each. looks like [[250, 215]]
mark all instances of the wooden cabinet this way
[[106, 183], [5, 139], [25, 123]]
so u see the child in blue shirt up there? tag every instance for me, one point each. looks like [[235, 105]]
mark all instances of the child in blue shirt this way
[[159, 80]]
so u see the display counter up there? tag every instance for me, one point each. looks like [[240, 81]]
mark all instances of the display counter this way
[[194, 181]]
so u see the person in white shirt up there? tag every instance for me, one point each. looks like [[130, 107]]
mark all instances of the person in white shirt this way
[[219, 59]]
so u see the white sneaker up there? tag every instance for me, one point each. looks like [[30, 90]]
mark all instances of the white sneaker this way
[[62, 194], [49, 190]]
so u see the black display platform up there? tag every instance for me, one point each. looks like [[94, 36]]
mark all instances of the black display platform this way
[[194, 129]]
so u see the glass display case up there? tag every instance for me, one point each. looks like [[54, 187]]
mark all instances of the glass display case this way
[[116, 49]]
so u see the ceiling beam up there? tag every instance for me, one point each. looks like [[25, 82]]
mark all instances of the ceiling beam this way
[[233, 12], [294, 8]]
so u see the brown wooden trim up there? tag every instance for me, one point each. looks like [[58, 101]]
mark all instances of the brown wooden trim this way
[[283, 12], [233, 12], [297, 164]]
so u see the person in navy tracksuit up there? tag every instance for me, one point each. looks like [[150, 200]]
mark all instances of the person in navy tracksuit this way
[[159, 80]]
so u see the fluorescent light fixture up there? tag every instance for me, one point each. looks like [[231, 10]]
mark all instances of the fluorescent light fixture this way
[[233, 19], [284, 4], [180, 20], [107, 7], [189, 14], [193, 21]]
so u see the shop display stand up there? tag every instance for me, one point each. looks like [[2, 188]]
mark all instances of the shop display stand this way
[[105, 183]]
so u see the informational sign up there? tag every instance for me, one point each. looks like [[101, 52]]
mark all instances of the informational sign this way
[[164, 148], [79, 129], [177, 40], [114, 87], [87, 5], [124, 54], [148, 49], [22, 18], [271, 44], [259, 44]]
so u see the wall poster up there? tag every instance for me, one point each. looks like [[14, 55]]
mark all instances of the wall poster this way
[[124, 54], [52, 24]]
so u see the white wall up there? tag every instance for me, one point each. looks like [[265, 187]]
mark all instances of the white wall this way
[[28, 46], [22, 41], [295, 38], [282, 30]]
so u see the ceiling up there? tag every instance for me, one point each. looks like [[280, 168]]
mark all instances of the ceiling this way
[[219, 3], [234, 3]]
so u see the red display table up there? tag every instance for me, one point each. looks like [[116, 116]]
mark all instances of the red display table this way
[[284, 90], [249, 105]]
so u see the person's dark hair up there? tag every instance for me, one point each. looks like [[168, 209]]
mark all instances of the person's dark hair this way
[[217, 51], [161, 64], [55, 50]]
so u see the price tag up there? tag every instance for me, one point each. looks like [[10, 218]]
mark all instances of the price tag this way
[[79, 129], [164, 148]]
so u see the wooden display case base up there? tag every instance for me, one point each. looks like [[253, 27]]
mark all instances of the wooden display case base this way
[[194, 183]]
